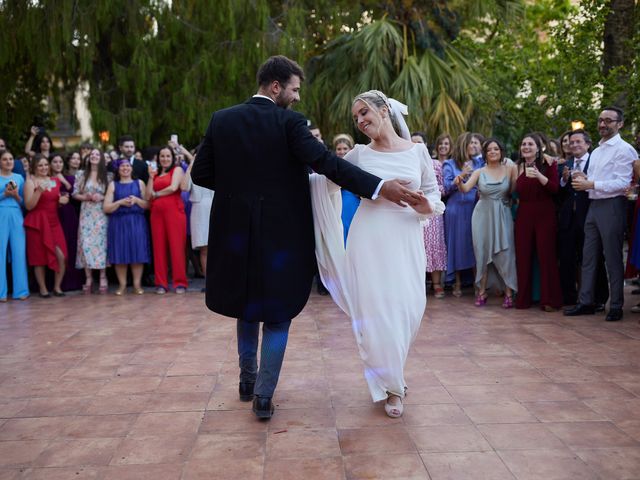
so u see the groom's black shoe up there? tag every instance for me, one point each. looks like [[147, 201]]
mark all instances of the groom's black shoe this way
[[246, 391], [262, 407]]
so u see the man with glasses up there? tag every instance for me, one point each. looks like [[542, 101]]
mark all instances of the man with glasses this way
[[608, 176]]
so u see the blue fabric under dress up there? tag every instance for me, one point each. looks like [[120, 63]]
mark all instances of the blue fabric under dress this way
[[128, 235], [350, 203]]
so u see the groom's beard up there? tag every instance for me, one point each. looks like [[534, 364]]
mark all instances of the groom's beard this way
[[283, 102]]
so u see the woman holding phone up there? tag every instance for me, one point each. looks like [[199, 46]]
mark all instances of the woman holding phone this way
[[12, 232], [535, 227]]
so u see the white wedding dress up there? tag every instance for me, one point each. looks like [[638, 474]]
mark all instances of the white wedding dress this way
[[379, 280]]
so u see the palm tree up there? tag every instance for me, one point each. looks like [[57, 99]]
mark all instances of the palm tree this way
[[408, 53]]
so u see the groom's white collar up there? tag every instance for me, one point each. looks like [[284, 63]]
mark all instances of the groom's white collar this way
[[257, 95]]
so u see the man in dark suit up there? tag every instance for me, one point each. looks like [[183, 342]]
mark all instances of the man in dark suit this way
[[261, 259], [127, 148], [571, 217]]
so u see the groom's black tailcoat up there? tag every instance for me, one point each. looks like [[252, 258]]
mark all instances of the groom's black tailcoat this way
[[261, 258]]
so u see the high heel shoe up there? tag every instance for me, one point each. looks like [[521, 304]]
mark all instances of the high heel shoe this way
[[120, 291], [508, 301], [86, 288], [457, 291], [104, 286], [393, 411], [481, 300], [138, 291]]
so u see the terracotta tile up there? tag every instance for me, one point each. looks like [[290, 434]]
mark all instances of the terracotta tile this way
[[142, 370], [55, 406], [448, 438], [99, 426], [307, 418], [427, 395], [574, 411], [542, 392], [422, 415], [187, 384], [118, 404], [62, 473], [401, 466], [465, 465], [39, 428], [10, 474], [178, 402], [631, 428], [157, 449], [620, 373], [345, 397], [519, 436], [303, 444], [89, 451], [226, 398], [383, 440], [140, 472], [498, 413], [131, 385], [591, 435], [615, 409], [613, 463], [159, 424], [481, 393], [193, 368], [360, 417], [595, 390], [285, 399], [11, 408], [572, 374], [245, 469], [558, 464], [228, 445], [232, 422], [330, 468], [21, 452]]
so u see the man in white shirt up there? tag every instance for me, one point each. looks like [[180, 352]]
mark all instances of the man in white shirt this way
[[608, 176]]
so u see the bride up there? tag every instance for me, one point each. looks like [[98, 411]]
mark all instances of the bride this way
[[379, 280]]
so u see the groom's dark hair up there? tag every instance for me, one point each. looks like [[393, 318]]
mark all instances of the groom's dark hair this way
[[278, 68]]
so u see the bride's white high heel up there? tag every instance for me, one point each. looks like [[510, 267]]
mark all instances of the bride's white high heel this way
[[393, 411]]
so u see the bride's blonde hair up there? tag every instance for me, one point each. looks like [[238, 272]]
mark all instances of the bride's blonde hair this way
[[376, 99]]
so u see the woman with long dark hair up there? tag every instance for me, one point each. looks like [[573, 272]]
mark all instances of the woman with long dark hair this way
[[39, 142], [535, 227], [46, 246], [492, 224], [89, 189], [168, 222]]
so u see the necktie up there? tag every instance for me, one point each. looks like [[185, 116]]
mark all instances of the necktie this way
[[578, 162]]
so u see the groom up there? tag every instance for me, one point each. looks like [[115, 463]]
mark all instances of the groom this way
[[261, 244]]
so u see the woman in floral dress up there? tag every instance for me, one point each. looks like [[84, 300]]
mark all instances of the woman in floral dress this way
[[434, 242], [89, 189]]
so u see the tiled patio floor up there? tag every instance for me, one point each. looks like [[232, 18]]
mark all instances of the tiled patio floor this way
[[146, 388]]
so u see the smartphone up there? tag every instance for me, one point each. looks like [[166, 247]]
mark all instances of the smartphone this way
[[153, 164], [12, 185], [174, 138]]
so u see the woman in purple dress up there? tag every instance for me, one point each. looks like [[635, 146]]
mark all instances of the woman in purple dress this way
[[457, 216], [127, 234], [73, 277]]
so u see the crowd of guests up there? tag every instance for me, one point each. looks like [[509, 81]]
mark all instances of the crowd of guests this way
[[521, 224], [542, 225], [68, 218]]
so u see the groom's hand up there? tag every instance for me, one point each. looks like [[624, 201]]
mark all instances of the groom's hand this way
[[396, 192]]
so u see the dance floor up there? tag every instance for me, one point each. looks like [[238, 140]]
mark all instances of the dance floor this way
[[145, 387]]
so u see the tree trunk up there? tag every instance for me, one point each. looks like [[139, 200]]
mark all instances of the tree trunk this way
[[619, 30]]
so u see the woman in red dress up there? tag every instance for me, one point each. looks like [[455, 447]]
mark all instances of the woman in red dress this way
[[535, 228], [168, 222], [46, 246]]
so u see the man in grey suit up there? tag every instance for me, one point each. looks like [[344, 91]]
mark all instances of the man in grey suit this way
[[261, 260], [609, 174]]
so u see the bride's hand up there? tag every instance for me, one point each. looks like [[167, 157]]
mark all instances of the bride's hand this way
[[422, 206]]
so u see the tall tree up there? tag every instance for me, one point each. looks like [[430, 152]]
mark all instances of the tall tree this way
[[618, 56]]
